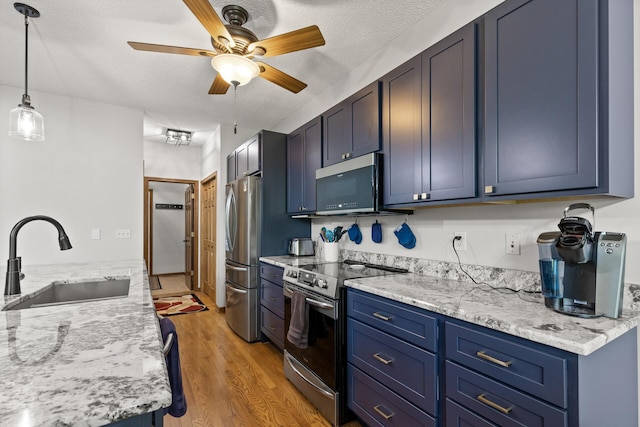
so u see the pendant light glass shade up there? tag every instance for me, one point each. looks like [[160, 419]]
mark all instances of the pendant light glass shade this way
[[26, 123], [235, 69]]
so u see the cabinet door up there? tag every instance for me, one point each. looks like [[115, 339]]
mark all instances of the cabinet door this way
[[253, 155], [312, 162], [241, 161], [295, 171], [401, 132], [365, 121], [541, 96], [449, 117], [337, 133], [231, 167]]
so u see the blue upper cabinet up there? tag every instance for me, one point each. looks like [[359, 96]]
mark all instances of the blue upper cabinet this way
[[304, 156], [558, 98], [352, 128], [429, 123]]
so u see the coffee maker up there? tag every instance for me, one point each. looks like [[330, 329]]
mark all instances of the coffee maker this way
[[581, 270]]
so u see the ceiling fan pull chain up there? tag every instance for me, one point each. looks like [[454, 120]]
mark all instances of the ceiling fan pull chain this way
[[235, 109]]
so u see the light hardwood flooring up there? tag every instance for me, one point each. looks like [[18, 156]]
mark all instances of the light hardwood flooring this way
[[229, 382]]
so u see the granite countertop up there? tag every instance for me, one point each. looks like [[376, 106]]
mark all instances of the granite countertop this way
[[296, 261], [519, 314], [87, 364]]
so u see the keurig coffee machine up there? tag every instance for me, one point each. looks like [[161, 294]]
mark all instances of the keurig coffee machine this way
[[581, 270]]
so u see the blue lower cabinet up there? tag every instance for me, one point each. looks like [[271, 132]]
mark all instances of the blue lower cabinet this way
[[376, 405], [459, 416], [498, 403], [272, 326], [406, 369]]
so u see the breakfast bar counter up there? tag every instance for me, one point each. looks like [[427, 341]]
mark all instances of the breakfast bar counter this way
[[83, 364]]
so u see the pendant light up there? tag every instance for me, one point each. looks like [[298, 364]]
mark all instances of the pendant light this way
[[24, 121]]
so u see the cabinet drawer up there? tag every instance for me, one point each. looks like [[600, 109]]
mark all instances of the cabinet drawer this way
[[271, 272], [271, 296], [376, 405], [406, 369], [272, 326], [527, 366], [457, 416], [408, 323], [498, 403]]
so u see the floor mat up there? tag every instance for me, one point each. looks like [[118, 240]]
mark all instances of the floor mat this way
[[154, 283], [169, 306]]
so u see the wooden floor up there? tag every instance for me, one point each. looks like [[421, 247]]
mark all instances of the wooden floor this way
[[229, 382]]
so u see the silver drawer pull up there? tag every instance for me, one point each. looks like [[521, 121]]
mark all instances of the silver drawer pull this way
[[485, 356], [381, 412], [380, 316], [382, 359], [494, 405]]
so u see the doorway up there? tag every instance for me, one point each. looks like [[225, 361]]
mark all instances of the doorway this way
[[171, 233], [208, 236]]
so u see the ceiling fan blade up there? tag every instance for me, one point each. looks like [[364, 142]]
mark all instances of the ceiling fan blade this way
[[148, 47], [219, 86], [304, 38], [284, 80], [208, 17]]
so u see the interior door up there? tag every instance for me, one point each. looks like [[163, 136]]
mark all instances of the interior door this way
[[189, 234], [208, 233]]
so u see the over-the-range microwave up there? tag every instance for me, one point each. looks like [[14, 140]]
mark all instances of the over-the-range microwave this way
[[349, 187]]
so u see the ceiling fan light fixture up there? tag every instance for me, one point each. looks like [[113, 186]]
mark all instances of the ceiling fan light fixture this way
[[235, 69]]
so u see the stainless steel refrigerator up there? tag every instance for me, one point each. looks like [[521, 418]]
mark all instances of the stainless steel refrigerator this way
[[243, 233]]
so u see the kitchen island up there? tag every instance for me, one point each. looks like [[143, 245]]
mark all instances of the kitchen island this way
[[85, 364]]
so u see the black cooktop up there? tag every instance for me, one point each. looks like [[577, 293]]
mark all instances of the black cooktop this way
[[350, 269]]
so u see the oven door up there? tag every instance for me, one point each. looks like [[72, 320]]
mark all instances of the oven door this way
[[320, 354]]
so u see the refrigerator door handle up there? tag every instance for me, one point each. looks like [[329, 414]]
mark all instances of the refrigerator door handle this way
[[235, 290], [231, 267], [231, 220]]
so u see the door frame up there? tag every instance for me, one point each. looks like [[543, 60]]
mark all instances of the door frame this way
[[148, 250]]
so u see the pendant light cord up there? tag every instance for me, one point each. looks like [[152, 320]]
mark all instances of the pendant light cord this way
[[25, 97]]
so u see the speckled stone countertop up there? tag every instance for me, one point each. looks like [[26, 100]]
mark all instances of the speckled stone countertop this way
[[85, 364], [520, 314], [430, 286]]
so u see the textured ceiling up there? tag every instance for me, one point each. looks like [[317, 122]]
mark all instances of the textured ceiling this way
[[78, 48]]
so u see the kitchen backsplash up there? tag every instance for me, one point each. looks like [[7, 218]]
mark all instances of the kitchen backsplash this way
[[496, 277]]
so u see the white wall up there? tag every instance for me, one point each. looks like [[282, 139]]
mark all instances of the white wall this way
[[168, 228], [87, 174], [162, 160]]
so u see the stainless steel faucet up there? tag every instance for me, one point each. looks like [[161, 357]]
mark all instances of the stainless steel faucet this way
[[14, 263]]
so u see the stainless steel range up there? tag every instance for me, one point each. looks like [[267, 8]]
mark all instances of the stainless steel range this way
[[318, 366]]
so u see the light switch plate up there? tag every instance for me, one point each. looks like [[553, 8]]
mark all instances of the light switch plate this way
[[95, 234], [123, 233]]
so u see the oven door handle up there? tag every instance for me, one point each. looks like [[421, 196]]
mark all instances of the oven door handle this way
[[301, 375], [289, 292], [319, 304]]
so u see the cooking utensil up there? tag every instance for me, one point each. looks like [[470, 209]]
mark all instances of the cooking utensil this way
[[330, 236], [338, 232]]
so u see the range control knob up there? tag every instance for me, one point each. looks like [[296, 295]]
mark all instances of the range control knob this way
[[292, 273], [321, 283]]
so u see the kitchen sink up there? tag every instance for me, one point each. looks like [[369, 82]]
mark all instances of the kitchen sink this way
[[59, 293]]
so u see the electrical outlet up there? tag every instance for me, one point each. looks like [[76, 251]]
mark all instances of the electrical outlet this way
[[461, 243], [512, 243], [123, 233]]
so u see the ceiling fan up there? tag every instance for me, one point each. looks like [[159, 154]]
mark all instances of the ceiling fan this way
[[235, 47]]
